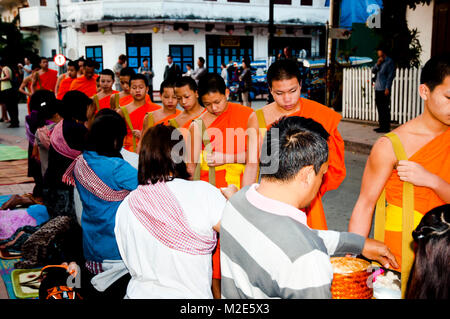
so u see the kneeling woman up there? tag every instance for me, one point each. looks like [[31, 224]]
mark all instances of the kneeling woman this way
[[103, 179], [166, 228]]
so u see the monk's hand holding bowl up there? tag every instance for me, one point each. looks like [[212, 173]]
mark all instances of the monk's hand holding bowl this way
[[414, 173]]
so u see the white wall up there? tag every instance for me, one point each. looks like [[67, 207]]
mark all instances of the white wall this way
[[48, 41], [422, 19]]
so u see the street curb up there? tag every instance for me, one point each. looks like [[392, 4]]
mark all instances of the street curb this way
[[356, 147]]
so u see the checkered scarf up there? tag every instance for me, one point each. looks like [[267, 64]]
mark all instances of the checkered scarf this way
[[87, 177], [156, 207], [59, 143]]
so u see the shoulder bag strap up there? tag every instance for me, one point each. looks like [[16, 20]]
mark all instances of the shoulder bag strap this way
[[206, 142], [130, 125], [407, 215]]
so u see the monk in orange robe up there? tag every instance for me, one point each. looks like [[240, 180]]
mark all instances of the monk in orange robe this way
[[186, 92], [135, 112], [284, 80], [88, 82], [102, 98], [45, 78], [64, 85], [426, 144], [167, 112], [219, 161]]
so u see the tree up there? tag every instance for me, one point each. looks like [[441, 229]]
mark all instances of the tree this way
[[14, 45], [401, 42]]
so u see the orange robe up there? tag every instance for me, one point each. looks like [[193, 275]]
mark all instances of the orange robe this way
[[47, 80], [64, 87], [137, 121], [88, 87], [129, 98], [235, 117], [165, 120], [104, 102], [435, 158], [336, 165]]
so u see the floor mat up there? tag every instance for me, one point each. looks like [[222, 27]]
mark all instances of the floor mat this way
[[10, 153], [6, 268], [14, 172]]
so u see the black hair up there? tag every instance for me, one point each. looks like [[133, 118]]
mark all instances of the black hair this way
[[210, 83], [45, 104], [39, 97], [139, 76], [202, 60], [42, 58], [186, 80], [91, 64], [107, 72], [157, 160], [291, 144], [435, 70], [75, 105], [283, 70], [144, 60], [127, 72], [166, 84], [429, 277], [106, 133], [74, 64]]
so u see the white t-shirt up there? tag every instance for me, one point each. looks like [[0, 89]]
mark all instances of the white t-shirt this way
[[158, 271]]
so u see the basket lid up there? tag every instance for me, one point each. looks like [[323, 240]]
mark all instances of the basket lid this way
[[348, 265]]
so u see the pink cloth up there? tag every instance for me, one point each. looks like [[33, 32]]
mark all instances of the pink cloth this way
[[11, 220], [273, 206], [59, 143], [157, 208], [87, 177], [44, 136]]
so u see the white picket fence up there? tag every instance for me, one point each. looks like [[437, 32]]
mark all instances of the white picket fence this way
[[358, 95]]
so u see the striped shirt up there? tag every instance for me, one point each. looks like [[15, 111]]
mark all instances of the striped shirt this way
[[268, 251]]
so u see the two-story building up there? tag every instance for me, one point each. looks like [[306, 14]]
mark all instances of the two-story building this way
[[220, 31]]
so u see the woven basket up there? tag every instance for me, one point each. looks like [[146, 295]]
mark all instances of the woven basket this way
[[351, 285]]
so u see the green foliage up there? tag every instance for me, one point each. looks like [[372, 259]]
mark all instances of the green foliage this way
[[401, 43], [14, 45]]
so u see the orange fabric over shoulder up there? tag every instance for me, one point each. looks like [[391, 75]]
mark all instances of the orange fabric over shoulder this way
[[64, 87], [88, 87]]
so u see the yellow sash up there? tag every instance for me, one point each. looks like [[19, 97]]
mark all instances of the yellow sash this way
[[96, 101], [407, 212], [232, 171], [130, 125], [150, 120], [173, 123]]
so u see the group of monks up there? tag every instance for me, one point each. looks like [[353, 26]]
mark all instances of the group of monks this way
[[214, 155]]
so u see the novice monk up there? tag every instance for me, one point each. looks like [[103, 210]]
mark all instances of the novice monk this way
[[187, 95], [167, 112], [134, 112], [64, 86], [284, 80], [102, 99], [226, 127], [46, 78], [86, 83], [123, 97], [426, 143]]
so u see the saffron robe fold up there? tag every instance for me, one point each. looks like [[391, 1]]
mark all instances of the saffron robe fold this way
[[127, 100], [64, 87], [329, 119], [104, 102], [135, 121], [165, 120], [435, 158], [47, 80], [235, 117], [87, 86]]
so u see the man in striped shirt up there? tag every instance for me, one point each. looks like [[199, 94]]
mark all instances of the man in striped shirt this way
[[268, 251]]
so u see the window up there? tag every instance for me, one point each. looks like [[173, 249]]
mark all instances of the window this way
[[224, 49], [95, 53], [283, 2], [138, 48], [182, 55], [247, 1], [306, 2]]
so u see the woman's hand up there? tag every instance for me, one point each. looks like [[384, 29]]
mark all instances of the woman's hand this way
[[136, 133], [229, 191]]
